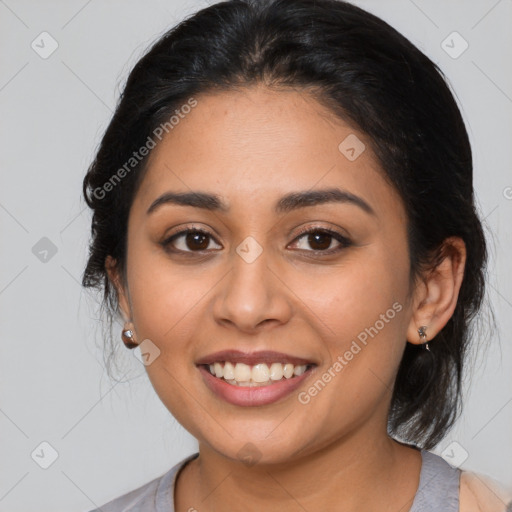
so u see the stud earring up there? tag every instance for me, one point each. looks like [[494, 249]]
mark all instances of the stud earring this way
[[423, 336], [128, 337]]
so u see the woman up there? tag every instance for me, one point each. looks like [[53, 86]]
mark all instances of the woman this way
[[283, 215]]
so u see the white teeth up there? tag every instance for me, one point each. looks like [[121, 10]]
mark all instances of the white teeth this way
[[229, 371], [242, 374], [299, 370], [276, 371], [219, 372], [260, 373], [288, 370]]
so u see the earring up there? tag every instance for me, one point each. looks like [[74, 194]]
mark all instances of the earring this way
[[128, 338], [423, 336]]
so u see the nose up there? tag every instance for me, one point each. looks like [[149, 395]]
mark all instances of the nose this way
[[252, 296]]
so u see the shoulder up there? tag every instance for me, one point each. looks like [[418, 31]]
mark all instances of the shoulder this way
[[479, 493], [139, 499], [154, 496]]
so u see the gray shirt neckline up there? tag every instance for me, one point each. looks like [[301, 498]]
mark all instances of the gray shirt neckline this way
[[438, 489]]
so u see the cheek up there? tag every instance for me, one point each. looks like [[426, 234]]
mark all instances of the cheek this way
[[348, 298], [361, 325], [360, 313], [165, 304], [164, 295]]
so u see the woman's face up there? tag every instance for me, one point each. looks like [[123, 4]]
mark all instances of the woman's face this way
[[256, 286]]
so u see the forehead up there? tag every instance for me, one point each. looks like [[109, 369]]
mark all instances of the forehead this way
[[262, 143]]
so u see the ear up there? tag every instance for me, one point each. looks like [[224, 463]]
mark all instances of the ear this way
[[437, 293], [114, 275]]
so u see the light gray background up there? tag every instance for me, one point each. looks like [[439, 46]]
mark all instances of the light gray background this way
[[112, 437]]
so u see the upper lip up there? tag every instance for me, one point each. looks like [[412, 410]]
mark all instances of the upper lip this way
[[252, 358]]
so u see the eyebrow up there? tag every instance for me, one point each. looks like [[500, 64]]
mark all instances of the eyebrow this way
[[287, 203]]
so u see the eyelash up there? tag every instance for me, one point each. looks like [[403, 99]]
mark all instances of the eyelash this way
[[343, 241]]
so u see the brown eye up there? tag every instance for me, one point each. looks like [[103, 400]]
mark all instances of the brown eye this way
[[196, 241], [190, 240], [321, 241]]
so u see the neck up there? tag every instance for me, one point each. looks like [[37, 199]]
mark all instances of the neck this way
[[349, 474]]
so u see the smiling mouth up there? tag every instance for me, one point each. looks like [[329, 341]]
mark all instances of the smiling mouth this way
[[261, 374]]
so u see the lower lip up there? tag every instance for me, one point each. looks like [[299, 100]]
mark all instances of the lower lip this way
[[252, 396]]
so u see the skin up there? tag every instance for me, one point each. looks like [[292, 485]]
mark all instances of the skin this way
[[251, 147]]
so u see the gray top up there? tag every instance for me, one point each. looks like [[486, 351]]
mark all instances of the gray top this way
[[438, 490]]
